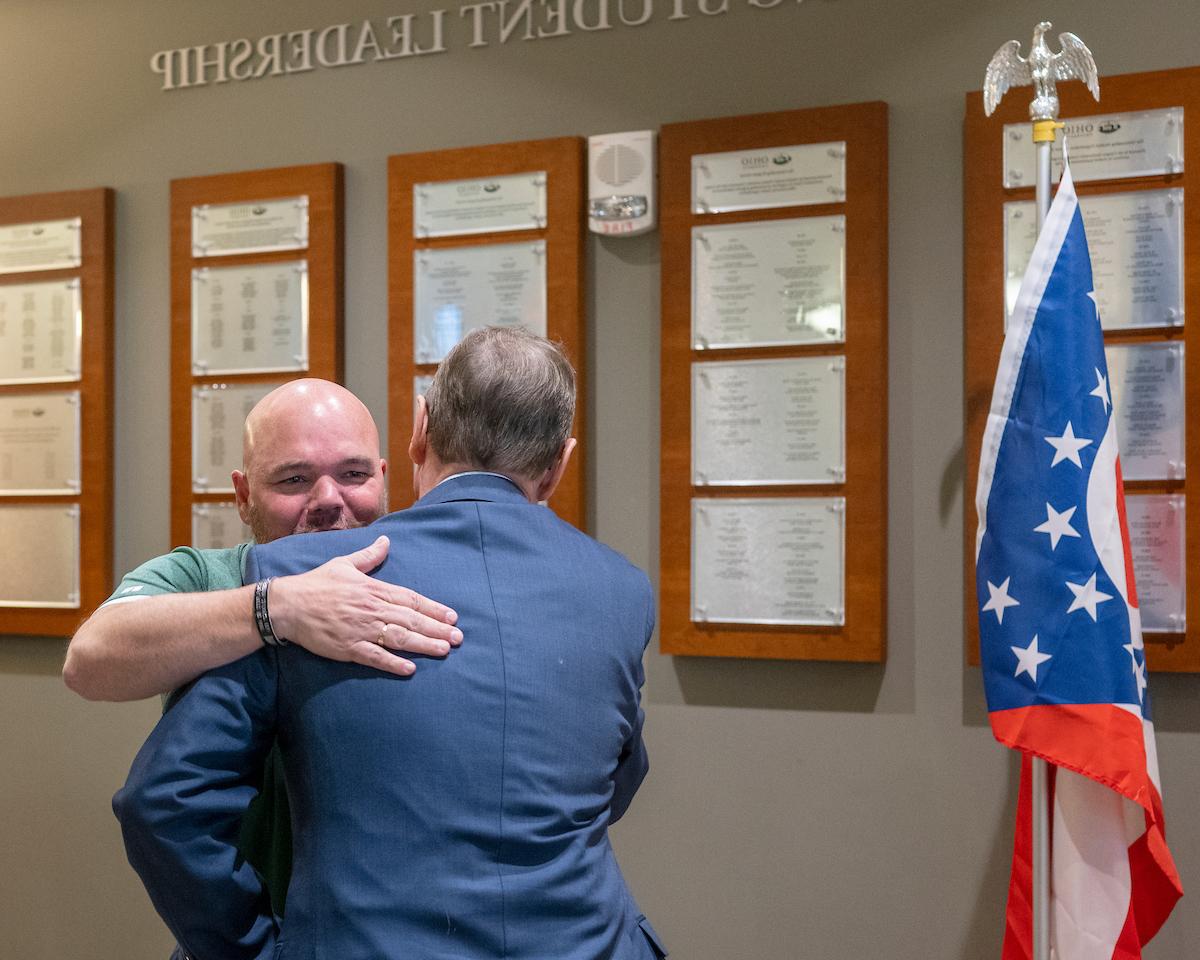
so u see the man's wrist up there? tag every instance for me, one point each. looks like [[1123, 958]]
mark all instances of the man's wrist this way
[[262, 615]]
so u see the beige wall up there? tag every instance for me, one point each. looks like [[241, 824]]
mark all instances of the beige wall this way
[[793, 809]]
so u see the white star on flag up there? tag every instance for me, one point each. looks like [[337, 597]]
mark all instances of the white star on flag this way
[[999, 599], [1067, 447], [1058, 525], [1139, 669], [1101, 390], [1029, 658], [1087, 597]]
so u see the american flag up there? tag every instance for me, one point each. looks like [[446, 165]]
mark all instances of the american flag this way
[[1064, 665]]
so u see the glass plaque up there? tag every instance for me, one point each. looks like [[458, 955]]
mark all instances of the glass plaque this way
[[1103, 147], [777, 177], [421, 386], [1157, 537], [1145, 383], [768, 560], [765, 422], [457, 289], [769, 284], [39, 443], [218, 415], [454, 208], [250, 319], [1136, 244], [216, 525], [254, 226], [39, 555], [40, 332], [49, 245]]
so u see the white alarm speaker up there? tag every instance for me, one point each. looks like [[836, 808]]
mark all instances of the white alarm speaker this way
[[622, 183]]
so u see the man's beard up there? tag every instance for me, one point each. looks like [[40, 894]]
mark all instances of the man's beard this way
[[260, 528]]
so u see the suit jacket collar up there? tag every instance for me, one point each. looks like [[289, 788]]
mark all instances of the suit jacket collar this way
[[474, 486]]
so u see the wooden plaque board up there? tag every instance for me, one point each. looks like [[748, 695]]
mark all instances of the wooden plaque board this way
[[96, 210], [563, 234], [322, 184], [864, 129], [983, 238]]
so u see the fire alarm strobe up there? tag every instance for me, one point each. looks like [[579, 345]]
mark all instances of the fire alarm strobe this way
[[621, 183]]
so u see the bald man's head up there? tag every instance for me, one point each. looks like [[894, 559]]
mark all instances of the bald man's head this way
[[310, 461]]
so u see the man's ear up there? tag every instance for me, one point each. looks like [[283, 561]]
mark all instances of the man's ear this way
[[241, 492], [554, 473], [383, 468], [418, 446]]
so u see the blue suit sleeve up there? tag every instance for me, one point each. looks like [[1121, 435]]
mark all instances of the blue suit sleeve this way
[[182, 806], [634, 761]]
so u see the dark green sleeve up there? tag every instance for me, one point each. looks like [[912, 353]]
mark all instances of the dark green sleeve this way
[[266, 837]]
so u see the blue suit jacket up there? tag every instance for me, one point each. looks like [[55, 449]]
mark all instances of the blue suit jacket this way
[[458, 813]]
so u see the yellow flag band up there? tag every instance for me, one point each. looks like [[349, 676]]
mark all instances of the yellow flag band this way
[[1043, 130]]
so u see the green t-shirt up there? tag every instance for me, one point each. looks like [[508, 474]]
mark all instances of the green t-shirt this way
[[266, 835]]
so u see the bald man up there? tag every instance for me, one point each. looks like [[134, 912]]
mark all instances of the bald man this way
[[310, 462]]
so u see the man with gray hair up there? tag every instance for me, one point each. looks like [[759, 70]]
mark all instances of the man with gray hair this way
[[458, 812]]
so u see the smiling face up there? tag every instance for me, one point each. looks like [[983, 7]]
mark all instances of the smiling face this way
[[311, 462]]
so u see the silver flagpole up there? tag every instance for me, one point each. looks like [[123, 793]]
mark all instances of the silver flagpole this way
[[1043, 68]]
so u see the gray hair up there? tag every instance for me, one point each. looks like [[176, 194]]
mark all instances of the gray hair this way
[[502, 400]]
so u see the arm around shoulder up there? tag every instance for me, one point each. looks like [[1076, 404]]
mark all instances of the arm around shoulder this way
[[129, 650]]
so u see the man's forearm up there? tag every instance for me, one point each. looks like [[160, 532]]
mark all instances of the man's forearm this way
[[140, 648]]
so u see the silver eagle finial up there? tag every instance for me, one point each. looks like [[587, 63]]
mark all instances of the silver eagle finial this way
[[1043, 68]]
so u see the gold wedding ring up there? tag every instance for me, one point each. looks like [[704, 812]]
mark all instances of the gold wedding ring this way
[[382, 634]]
